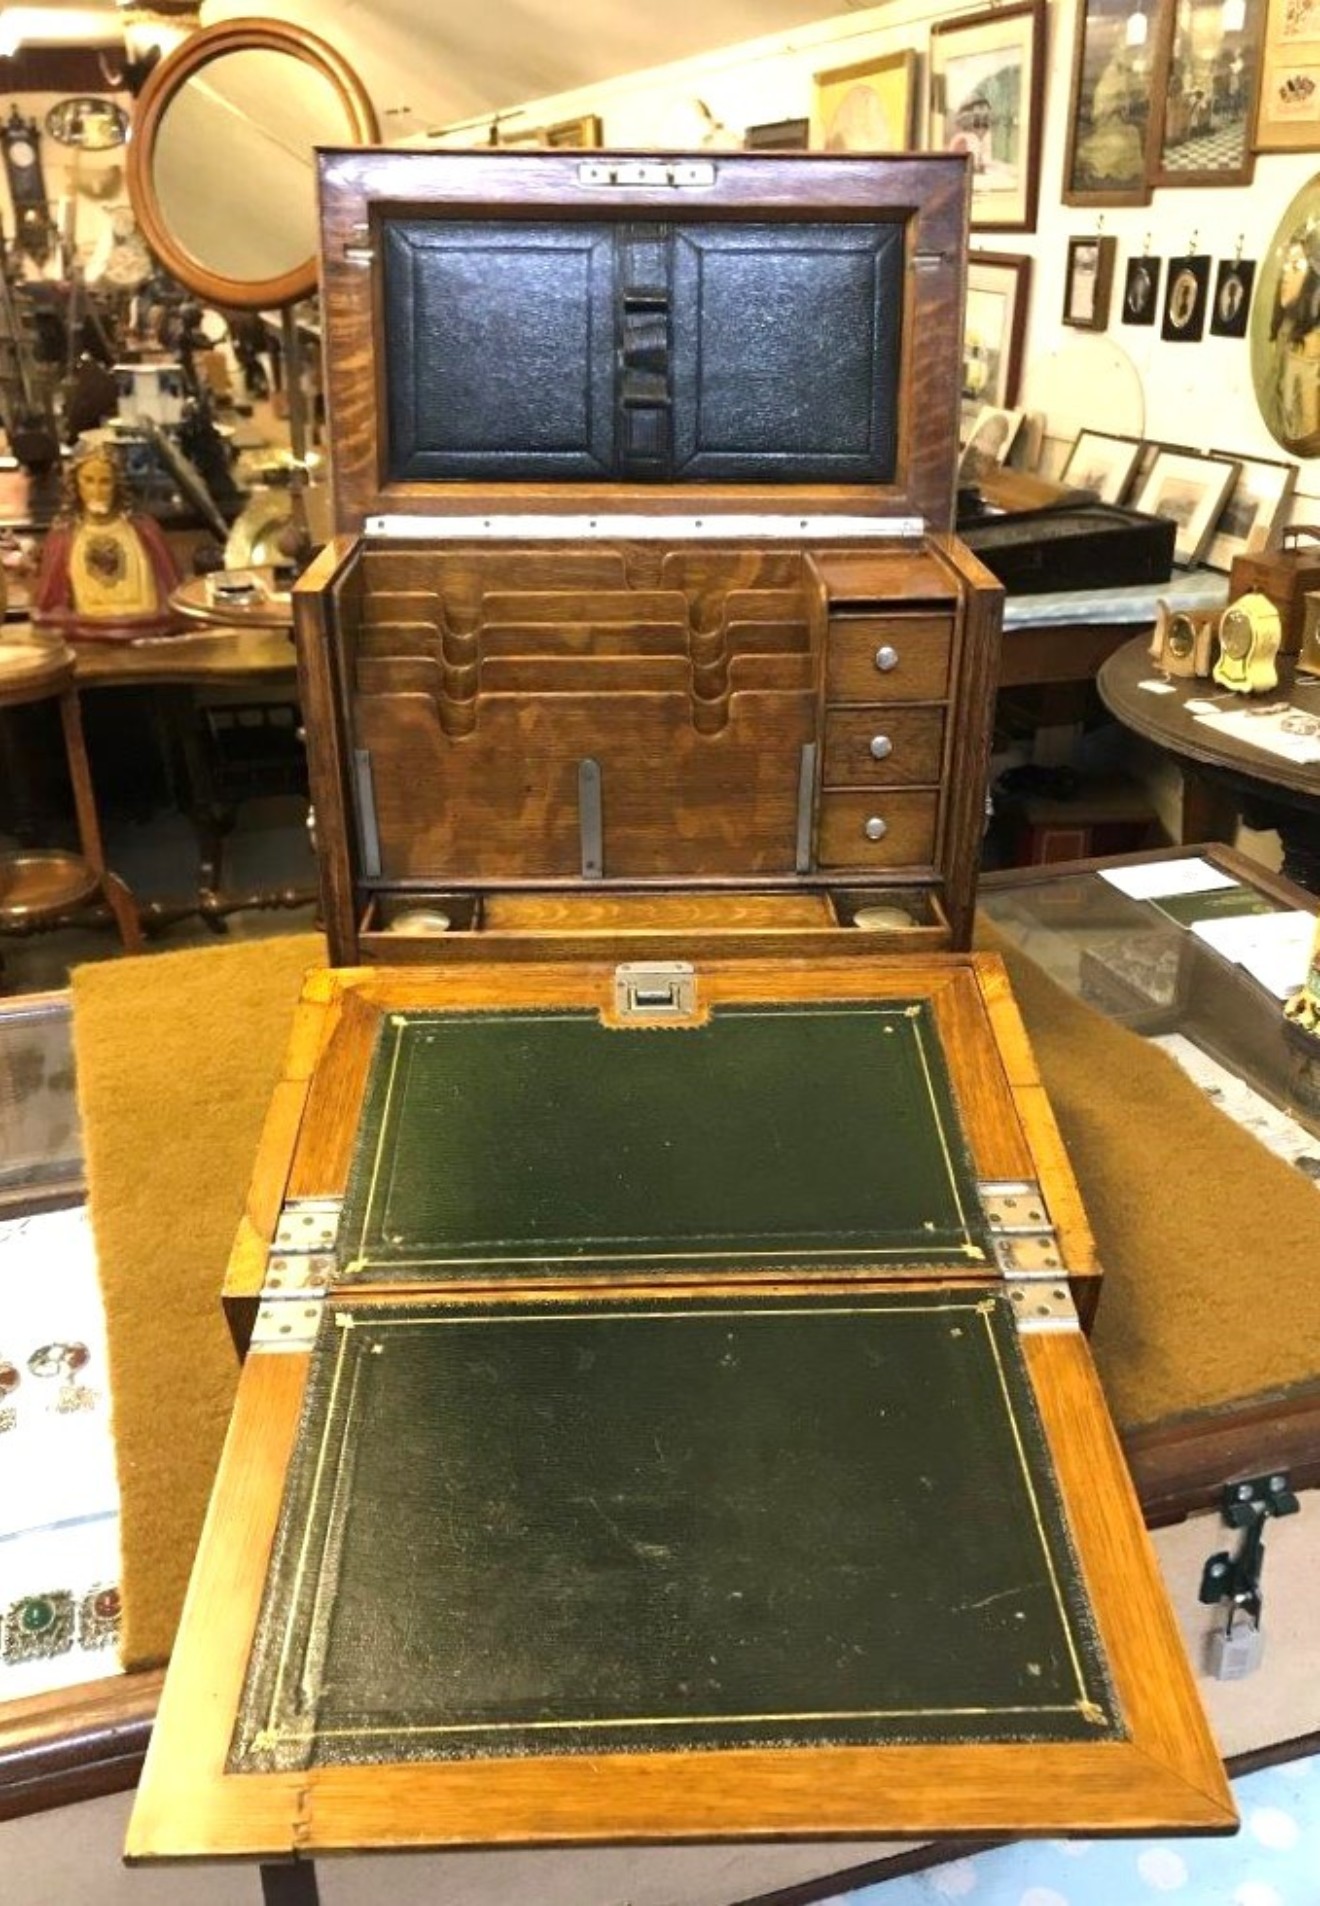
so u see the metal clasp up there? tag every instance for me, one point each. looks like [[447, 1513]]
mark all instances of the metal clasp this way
[[655, 989]]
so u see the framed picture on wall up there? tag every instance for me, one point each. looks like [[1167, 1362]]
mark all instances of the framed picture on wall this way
[[1089, 282], [998, 284], [1185, 299], [1206, 79], [1192, 490], [1141, 289], [1254, 512], [1102, 464], [778, 135], [870, 106], [1231, 304], [1288, 105], [987, 83], [1111, 130]]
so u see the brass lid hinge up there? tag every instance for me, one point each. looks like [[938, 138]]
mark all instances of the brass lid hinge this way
[[1027, 1253]]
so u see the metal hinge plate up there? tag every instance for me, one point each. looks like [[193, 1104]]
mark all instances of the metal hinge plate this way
[[1024, 1238], [307, 1227], [655, 989], [285, 1324], [578, 529], [1041, 1304]]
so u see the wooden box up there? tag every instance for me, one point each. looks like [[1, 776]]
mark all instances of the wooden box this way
[[666, 1412]]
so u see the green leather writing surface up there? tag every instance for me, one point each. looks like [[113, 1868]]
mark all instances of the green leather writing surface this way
[[627, 1525], [516, 1144]]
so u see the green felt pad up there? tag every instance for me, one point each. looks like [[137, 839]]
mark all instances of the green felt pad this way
[[509, 1144], [630, 1525]]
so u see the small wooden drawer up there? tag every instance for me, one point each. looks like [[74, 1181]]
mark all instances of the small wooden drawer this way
[[888, 658], [885, 828], [883, 747]]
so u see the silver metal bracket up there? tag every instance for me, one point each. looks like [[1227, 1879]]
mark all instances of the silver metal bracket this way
[[687, 173], [1041, 1304], [1024, 1238], [778, 528], [285, 1325], [308, 1225], [655, 989]]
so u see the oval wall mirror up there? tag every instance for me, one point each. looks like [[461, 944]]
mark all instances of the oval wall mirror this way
[[221, 170]]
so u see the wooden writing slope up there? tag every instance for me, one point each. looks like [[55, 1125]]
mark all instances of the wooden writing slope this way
[[589, 1481], [666, 1413]]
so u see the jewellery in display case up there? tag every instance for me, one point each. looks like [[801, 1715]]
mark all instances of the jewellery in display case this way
[[38, 1627], [65, 1360], [98, 1617], [10, 1378]]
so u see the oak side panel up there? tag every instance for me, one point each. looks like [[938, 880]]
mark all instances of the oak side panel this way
[[326, 599]]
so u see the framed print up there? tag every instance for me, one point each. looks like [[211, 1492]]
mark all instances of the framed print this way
[[1285, 328], [992, 436], [995, 325], [1089, 282], [1192, 490], [1185, 299], [1231, 304], [1206, 78], [1288, 106], [778, 135], [868, 107], [1111, 129], [1141, 289], [987, 80], [1102, 464], [1254, 512], [584, 132]]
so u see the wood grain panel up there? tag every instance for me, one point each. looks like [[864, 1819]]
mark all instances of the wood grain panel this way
[[909, 819], [858, 652], [915, 756]]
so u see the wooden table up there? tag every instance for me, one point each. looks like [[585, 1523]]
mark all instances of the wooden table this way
[[1224, 779], [179, 670], [272, 608]]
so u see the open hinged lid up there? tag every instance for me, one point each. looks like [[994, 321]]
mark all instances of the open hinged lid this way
[[570, 333], [498, 1558]]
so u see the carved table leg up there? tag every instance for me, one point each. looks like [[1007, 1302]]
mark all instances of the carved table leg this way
[[118, 898]]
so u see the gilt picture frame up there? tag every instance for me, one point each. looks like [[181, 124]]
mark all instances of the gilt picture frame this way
[[986, 98], [1288, 101], [869, 106]]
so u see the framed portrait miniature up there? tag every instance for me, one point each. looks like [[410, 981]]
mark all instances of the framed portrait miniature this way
[[1141, 289], [1089, 282], [1285, 328], [992, 436], [1231, 305], [994, 327], [1192, 490], [987, 86], [1111, 129], [1288, 105], [1101, 464], [867, 107], [1185, 299], [1254, 512], [1206, 79]]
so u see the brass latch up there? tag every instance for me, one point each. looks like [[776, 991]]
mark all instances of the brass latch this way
[[655, 989]]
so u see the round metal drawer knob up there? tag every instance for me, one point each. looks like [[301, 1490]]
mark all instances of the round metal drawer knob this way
[[886, 658], [881, 747], [876, 829]]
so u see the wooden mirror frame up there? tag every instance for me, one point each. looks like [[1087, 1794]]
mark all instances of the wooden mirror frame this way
[[160, 92]]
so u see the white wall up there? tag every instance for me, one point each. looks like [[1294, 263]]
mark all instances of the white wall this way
[[1195, 394]]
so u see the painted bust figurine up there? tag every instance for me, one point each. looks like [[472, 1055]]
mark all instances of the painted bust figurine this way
[[106, 573]]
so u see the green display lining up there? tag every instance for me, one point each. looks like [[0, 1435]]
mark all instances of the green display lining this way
[[613, 1526], [515, 1144]]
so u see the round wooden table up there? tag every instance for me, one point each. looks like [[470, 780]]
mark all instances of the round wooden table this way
[[39, 886], [272, 608], [1224, 779]]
